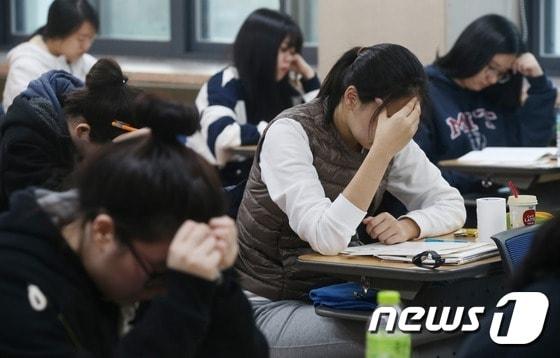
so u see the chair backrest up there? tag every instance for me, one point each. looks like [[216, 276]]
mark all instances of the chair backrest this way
[[513, 246]]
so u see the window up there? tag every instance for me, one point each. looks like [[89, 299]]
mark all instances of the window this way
[[544, 39], [175, 28]]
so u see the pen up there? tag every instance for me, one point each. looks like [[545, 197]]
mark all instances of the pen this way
[[123, 126], [442, 240]]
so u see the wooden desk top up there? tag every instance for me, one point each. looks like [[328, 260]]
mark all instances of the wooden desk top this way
[[369, 266]]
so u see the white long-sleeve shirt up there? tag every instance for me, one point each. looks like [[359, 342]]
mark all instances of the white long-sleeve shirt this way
[[293, 184], [29, 60]]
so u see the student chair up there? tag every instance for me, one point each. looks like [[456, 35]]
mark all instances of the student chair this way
[[513, 246]]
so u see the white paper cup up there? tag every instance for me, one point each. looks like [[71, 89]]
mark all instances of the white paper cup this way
[[491, 216], [522, 210]]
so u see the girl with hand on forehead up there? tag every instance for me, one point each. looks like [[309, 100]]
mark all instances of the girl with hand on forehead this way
[[476, 98], [145, 223], [320, 171]]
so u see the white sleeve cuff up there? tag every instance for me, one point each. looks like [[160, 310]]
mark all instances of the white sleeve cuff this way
[[419, 219], [347, 214]]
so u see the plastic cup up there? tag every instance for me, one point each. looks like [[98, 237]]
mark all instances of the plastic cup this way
[[522, 210], [491, 217]]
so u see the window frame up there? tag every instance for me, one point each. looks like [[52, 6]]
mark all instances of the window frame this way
[[223, 51], [4, 22], [550, 63], [183, 43]]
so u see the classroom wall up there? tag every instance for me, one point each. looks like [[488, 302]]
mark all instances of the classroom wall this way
[[425, 26]]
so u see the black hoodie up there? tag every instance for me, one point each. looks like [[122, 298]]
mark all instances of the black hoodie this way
[[50, 307]]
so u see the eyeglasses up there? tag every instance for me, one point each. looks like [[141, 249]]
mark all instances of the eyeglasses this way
[[502, 76], [153, 276], [428, 259]]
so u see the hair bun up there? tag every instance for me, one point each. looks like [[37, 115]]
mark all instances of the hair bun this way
[[105, 74], [166, 119]]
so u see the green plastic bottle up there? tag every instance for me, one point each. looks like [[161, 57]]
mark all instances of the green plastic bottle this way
[[384, 344]]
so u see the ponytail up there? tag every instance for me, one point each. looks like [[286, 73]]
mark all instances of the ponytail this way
[[106, 97], [384, 71], [333, 86], [151, 184], [166, 119]]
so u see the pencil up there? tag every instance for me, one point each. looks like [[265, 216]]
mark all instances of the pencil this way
[[123, 126]]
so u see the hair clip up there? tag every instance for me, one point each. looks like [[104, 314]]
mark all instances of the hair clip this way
[[361, 50]]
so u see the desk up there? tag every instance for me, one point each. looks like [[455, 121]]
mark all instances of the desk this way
[[367, 266], [245, 150], [479, 283], [524, 176], [401, 276], [541, 179]]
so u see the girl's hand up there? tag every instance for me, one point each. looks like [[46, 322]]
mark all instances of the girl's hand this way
[[194, 250], [394, 133], [389, 230], [223, 228], [299, 65], [527, 65]]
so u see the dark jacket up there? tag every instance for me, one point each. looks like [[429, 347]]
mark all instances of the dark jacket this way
[[196, 318], [546, 345], [459, 121], [35, 145]]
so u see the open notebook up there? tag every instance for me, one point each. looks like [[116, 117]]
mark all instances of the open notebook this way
[[454, 253]]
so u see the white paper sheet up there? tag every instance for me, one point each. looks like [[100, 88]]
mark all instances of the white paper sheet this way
[[504, 155], [408, 248]]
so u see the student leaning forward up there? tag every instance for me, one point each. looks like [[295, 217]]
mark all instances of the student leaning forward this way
[[320, 171]]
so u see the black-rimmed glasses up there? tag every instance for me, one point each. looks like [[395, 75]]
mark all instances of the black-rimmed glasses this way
[[153, 275], [428, 259], [501, 76]]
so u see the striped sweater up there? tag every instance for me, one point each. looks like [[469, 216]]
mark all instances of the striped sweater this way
[[225, 122]]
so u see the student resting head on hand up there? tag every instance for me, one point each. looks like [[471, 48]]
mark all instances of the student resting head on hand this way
[[146, 222], [268, 75], [477, 98], [320, 171]]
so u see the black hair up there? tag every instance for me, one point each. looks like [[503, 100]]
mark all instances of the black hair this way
[[384, 71], [150, 185], [543, 257], [474, 49], [66, 16], [255, 54], [105, 98]]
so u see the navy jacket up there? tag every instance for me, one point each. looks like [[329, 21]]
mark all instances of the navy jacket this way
[[459, 121], [35, 145]]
